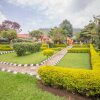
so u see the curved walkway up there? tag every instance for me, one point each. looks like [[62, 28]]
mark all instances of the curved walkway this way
[[33, 70]]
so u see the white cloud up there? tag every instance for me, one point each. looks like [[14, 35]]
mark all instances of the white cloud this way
[[2, 17], [77, 11]]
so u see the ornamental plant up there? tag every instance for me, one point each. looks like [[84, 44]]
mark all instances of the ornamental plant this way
[[48, 52], [22, 48]]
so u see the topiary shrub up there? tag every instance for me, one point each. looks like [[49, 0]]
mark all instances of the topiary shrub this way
[[48, 52]]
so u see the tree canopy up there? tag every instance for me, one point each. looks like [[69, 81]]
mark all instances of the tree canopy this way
[[6, 25], [36, 34], [66, 27], [57, 34], [8, 34]]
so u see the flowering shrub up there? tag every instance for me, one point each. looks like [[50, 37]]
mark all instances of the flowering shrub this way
[[48, 52]]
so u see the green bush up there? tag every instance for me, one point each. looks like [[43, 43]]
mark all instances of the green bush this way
[[84, 82], [5, 48], [51, 45], [95, 58], [22, 48], [44, 48], [60, 45], [83, 46], [57, 49], [48, 52], [79, 50], [45, 45]]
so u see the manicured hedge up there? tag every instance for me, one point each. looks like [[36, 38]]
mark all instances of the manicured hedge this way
[[5, 48], [79, 50], [79, 46], [95, 58], [60, 45], [84, 82], [22, 48], [57, 49], [44, 46], [48, 52]]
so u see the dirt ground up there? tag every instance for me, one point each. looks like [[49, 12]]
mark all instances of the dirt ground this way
[[62, 92]]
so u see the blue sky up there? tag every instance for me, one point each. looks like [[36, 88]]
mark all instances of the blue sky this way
[[34, 14]]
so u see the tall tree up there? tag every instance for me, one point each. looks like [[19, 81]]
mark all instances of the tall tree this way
[[57, 35], [97, 31], [67, 27], [87, 33], [6, 25], [36, 34]]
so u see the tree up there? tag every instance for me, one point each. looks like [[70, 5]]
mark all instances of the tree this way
[[36, 34], [87, 33], [97, 31], [57, 34], [66, 27], [8, 34], [6, 25]]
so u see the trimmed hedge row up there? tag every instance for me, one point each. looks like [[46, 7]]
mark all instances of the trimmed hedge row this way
[[83, 46], [95, 58], [79, 50], [5, 48], [84, 82], [60, 45], [22, 48]]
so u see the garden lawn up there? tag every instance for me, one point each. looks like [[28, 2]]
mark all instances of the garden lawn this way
[[27, 59], [22, 87], [75, 60]]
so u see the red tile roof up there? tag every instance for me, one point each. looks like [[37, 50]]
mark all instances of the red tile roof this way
[[23, 35]]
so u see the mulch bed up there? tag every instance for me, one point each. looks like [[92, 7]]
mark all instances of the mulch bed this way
[[62, 92]]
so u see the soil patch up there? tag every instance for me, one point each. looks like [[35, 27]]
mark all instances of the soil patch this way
[[62, 92]]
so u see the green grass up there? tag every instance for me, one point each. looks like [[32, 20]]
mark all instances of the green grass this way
[[22, 87], [75, 60], [28, 59]]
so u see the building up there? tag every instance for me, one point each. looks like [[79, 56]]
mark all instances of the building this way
[[23, 36]]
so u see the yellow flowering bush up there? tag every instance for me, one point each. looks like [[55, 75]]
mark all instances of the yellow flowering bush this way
[[48, 52], [85, 82]]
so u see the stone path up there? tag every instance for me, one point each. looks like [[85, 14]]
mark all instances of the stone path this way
[[33, 70]]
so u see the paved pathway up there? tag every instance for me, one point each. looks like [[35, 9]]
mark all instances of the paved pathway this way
[[33, 70]]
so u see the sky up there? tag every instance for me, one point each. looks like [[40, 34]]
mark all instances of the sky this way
[[34, 14]]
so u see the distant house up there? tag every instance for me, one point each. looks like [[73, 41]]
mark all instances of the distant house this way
[[24, 36], [45, 39]]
